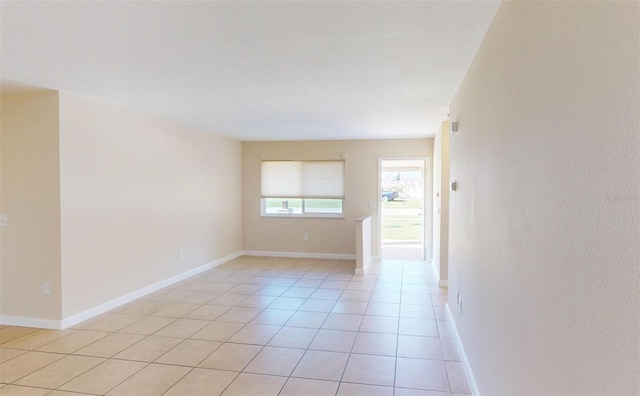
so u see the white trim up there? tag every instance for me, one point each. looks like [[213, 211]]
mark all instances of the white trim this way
[[443, 283], [102, 308], [359, 271], [465, 361], [329, 256], [30, 322], [116, 302]]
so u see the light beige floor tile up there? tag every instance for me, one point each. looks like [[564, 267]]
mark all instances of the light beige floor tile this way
[[149, 349], [207, 312], [444, 329], [333, 340], [36, 339], [182, 328], [218, 331], [230, 356], [356, 295], [73, 341], [457, 377], [152, 380], [385, 297], [256, 301], [298, 292], [110, 345], [144, 308], [419, 347], [309, 387], [417, 311], [255, 384], [321, 365], [239, 314], [147, 325], [200, 298], [113, 322], [293, 337], [370, 369], [415, 298], [312, 320], [347, 389], [288, 303], [421, 374], [228, 299], [13, 390], [450, 349], [176, 310], [276, 317], [336, 321], [104, 377], [255, 334], [189, 353], [25, 364], [201, 382], [275, 361], [350, 307], [244, 289], [272, 291], [418, 392], [328, 294], [375, 344], [441, 312], [379, 324], [12, 332], [59, 372], [65, 393], [418, 327], [8, 354], [383, 309]]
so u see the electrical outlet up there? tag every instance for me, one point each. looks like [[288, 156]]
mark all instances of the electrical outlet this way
[[458, 297], [306, 237], [180, 254], [46, 288]]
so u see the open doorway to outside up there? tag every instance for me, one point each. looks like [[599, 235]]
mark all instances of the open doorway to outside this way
[[402, 209]]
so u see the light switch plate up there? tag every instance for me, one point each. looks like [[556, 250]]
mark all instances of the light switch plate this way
[[3, 220]]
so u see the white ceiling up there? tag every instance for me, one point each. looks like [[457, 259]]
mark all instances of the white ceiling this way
[[271, 70]]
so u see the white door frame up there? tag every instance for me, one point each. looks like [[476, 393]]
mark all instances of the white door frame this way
[[427, 211]]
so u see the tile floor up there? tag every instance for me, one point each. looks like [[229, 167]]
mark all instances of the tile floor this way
[[253, 326]]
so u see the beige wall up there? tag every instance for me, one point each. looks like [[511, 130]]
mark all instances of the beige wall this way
[[327, 236], [545, 224], [31, 201], [136, 190], [440, 259]]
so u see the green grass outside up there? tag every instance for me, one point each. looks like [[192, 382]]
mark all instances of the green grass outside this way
[[405, 229], [400, 227]]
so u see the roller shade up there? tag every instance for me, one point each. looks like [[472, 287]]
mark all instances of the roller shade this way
[[302, 179]]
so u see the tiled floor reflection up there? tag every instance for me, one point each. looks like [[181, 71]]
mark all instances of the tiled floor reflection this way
[[253, 326]]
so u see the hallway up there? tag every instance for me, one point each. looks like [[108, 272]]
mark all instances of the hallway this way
[[255, 325]]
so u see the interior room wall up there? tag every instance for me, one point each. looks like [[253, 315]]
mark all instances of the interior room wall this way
[[440, 259], [326, 235], [31, 201], [544, 227], [135, 191]]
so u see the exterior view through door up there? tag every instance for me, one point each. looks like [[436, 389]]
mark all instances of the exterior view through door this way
[[402, 209]]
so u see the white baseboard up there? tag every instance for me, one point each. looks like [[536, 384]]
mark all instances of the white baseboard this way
[[443, 283], [328, 256], [30, 322], [116, 302], [465, 361], [359, 271]]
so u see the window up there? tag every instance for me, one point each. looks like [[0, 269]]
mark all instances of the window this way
[[302, 188]]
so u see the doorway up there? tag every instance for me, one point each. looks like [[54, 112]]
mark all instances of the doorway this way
[[402, 209]]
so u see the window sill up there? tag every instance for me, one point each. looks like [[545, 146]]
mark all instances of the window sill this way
[[306, 215]]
